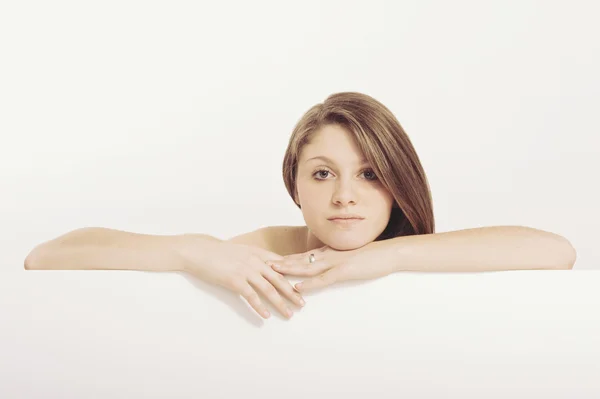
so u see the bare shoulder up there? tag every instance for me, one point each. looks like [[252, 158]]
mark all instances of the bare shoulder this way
[[282, 240]]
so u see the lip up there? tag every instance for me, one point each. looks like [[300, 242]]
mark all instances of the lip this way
[[346, 221], [346, 216]]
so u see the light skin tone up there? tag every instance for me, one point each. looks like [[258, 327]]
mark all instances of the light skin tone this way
[[344, 184], [333, 178]]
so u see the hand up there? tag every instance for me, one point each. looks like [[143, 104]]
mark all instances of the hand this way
[[241, 269], [332, 266]]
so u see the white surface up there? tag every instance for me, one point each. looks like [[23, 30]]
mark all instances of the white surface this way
[[100, 334], [172, 117]]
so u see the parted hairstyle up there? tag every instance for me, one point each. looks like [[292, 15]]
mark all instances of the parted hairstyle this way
[[385, 145]]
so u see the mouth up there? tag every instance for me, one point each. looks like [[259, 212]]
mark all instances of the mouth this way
[[346, 221], [344, 216]]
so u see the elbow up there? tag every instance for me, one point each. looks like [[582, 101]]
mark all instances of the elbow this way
[[568, 255], [29, 261], [32, 261], [35, 260], [556, 250], [571, 255]]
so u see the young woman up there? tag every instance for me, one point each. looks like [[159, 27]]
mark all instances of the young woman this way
[[354, 174]]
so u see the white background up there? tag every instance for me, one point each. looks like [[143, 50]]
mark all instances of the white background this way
[[173, 117]]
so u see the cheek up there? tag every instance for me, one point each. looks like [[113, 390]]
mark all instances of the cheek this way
[[386, 198], [310, 194], [312, 207], [385, 202], [311, 199]]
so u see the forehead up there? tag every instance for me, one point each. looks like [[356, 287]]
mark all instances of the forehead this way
[[335, 143]]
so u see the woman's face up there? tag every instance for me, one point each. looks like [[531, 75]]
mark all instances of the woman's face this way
[[334, 180]]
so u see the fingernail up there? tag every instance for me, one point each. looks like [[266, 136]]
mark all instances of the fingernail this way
[[276, 266], [302, 302], [266, 313], [289, 313], [299, 286]]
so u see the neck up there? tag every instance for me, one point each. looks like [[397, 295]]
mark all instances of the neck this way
[[312, 242]]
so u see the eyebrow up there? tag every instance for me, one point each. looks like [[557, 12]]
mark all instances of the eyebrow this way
[[326, 159]]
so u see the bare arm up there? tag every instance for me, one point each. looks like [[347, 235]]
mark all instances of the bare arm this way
[[237, 265], [98, 248], [480, 249]]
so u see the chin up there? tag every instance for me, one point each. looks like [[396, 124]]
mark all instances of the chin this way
[[346, 243], [346, 239], [346, 247]]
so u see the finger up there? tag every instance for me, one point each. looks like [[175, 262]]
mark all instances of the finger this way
[[271, 293], [270, 255], [303, 270], [282, 283], [321, 281], [297, 257], [305, 255], [253, 299]]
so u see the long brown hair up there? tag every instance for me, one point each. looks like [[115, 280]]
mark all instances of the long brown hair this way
[[385, 145]]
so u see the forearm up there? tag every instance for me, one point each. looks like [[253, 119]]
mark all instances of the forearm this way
[[480, 249], [109, 249]]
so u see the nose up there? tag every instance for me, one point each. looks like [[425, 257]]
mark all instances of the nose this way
[[344, 193]]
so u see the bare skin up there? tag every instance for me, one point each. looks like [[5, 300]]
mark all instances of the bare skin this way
[[333, 179]]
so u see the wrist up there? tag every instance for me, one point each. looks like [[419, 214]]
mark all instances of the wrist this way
[[188, 249], [387, 252]]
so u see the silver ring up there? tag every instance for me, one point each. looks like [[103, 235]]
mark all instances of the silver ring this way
[[311, 258]]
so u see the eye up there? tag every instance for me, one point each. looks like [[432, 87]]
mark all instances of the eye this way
[[321, 173], [372, 174]]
